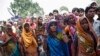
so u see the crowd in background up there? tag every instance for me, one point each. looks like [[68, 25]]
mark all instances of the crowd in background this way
[[69, 34]]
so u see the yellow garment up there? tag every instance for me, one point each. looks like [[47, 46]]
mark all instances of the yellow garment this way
[[28, 38], [60, 36]]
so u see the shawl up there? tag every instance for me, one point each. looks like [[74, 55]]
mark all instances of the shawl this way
[[28, 38], [86, 40]]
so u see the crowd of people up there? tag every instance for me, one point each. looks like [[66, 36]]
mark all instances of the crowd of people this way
[[70, 34]]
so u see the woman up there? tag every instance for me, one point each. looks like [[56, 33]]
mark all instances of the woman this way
[[39, 25], [70, 30], [29, 41], [41, 37], [56, 41], [87, 38], [10, 44]]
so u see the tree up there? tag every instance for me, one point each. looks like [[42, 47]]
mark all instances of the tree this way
[[97, 1], [25, 8], [63, 8]]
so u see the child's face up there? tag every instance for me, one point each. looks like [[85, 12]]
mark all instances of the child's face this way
[[84, 24], [81, 14]]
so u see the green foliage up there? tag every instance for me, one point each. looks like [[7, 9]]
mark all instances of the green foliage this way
[[25, 8], [97, 1], [62, 8]]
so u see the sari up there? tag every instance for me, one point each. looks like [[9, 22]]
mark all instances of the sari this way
[[73, 43], [56, 47], [29, 42], [10, 46], [86, 42], [70, 30]]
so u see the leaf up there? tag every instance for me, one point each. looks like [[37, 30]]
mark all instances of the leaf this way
[[63, 8], [25, 7]]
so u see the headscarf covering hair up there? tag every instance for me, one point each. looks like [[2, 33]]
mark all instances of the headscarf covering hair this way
[[84, 34], [49, 25], [58, 30], [71, 14], [28, 37]]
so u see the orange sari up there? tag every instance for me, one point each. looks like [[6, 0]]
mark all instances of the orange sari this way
[[85, 41], [29, 43]]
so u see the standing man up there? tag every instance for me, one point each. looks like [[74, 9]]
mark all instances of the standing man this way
[[90, 13], [57, 15], [96, 26]]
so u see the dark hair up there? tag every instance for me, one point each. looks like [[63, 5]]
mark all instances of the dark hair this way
[[32, 18], [88, 8], [55, 11], [75, 9], [4, 22], [20, 27], [66, 20], [50, 14], [26, 24], [11, 23], [97, 9], [93, 3], [39, 17], [48, 28], [9, 29], [81, 9]]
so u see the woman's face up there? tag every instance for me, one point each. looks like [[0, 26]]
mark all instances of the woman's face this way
[[40, 20], [84, 24], [71, 19], [27, 27], [9, 31], [53, 27]]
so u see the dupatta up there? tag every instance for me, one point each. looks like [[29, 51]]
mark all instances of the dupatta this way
[[86, 41], [28, 38]]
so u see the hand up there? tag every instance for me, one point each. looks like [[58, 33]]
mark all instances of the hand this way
[[66, 39], [89, 50]]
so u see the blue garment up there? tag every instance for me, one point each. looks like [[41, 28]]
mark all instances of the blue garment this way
[[57, 47], [16, 51]]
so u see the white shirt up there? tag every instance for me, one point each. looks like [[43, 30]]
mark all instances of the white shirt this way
[[96, 26]]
